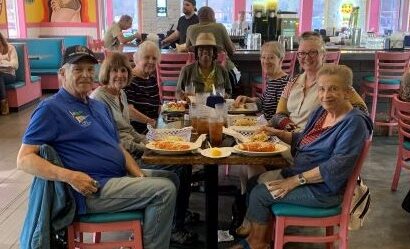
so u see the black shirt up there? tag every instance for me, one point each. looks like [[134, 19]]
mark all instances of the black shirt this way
[[183, 25]]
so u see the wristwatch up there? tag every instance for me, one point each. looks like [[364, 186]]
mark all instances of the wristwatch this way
[[302, 180]]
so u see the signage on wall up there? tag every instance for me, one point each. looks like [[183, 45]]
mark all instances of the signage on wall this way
[[161, 7]]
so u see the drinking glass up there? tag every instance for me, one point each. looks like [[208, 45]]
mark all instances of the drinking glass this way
[[215, 123], [190, 89], [193, 116]]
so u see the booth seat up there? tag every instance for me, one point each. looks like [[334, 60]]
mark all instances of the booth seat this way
[[71, 40], [27, 88], [45, 55]]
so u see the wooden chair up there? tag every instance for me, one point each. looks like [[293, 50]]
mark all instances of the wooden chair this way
[[285, 215], [288, 66], [403, 116], [388, 70], [332, 57], [168, 71], [106, 222]]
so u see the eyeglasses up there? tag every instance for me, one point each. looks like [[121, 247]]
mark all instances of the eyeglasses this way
[[311, 53]]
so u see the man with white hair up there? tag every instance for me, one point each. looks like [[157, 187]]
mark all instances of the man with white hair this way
[[114, 37], [102, 175]]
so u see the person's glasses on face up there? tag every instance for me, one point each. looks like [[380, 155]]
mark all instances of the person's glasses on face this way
[[311, 54]]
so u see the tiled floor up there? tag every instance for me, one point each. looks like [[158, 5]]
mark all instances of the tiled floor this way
[[388, 226]]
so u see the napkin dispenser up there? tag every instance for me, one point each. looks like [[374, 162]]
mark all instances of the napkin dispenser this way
[[212, 100]]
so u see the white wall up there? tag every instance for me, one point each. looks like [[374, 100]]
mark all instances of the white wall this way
[[153, 24], [37, 31]]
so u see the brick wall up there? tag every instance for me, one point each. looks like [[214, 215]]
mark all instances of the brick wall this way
[[153, 24]]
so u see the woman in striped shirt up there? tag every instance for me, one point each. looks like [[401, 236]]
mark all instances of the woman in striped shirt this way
[[272, 54], [143, 93]]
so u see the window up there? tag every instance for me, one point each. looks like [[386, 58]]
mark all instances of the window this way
[[318, 16], [283, 5], [12, 21], [389, 15], [223, 10], [126, 7]]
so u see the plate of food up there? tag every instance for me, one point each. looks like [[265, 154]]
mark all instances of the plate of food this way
[[242, 121], [174, 107], [168, 147], [217, 152], [260, 148], [244, 108]]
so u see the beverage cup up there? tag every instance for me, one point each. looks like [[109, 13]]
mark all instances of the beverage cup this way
[[215, 130]]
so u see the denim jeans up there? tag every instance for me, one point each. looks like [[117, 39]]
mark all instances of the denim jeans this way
[[261, 200], [184, 173], [156, 195], [5, 78]]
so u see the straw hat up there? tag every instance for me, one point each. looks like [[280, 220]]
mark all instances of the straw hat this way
[[206, 39]]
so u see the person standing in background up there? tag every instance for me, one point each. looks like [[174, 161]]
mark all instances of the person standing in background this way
[[114, 37], [241, 26], [8, 66], [189, 18]]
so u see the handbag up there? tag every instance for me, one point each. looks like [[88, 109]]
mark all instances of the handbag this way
[[360, 205], [406, 202]]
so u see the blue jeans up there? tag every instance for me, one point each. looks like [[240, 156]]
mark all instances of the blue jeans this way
[[184, 175], [5, 78], [155, 195], [261, 200]]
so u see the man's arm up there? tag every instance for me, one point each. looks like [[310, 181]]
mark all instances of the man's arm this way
[[124, 40], [30, 162], [130, 164], [173, 37]]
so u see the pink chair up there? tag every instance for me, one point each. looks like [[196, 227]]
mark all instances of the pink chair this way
[[288, 66], [332, 57], [293, 215], [106, 222], [168, 71], [389, 68], [403, 116]]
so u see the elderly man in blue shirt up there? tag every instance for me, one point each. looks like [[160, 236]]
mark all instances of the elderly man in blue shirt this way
[[103, 175]]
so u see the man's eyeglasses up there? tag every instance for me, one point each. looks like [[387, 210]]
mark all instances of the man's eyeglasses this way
[[311, 53]]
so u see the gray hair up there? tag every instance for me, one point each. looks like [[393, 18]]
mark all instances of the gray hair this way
[[344, 73], [143, 48], [275, 47], [315, 37]]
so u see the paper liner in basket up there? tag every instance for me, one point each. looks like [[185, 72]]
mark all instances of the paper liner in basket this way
[[166, 134]]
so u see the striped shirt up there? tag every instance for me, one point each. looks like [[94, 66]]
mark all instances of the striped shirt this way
[[270, 97], [143, 94]]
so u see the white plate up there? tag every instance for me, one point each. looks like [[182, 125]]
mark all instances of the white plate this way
[[280, 148], [192, 146], [226, 151], [248, 108]]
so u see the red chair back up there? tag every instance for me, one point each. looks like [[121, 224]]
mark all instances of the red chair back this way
[[168, 71], [403, 153], [332, 57], [390, 65], [288, 63]]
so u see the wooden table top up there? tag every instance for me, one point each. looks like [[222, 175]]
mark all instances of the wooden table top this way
[[154, 158]]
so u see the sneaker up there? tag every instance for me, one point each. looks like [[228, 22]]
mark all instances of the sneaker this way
[[183, 237]]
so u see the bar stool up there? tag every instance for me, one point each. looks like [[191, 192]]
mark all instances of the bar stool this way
[[106, 222], [388, 70], [403, 154]]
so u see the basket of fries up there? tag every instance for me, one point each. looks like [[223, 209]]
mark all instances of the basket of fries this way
[[183, 134]]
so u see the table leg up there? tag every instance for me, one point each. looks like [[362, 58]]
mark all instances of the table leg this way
[[211, 205]]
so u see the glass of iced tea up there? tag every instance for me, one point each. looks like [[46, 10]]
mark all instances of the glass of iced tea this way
[[215, 123]]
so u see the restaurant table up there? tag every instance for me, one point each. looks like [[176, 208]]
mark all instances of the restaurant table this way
[[211, 180]]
